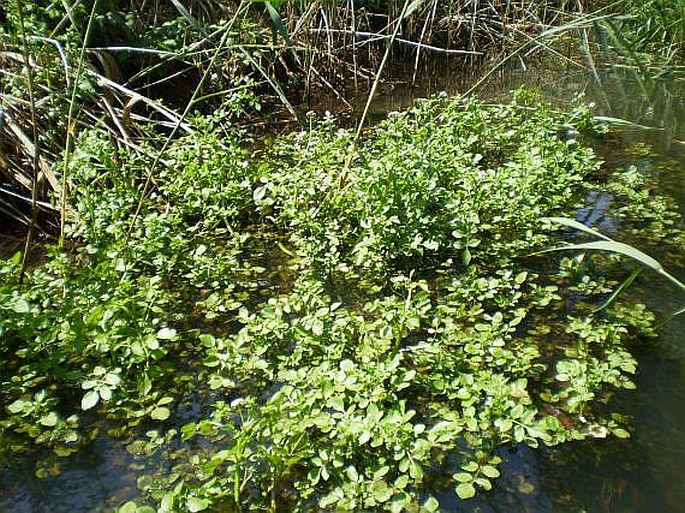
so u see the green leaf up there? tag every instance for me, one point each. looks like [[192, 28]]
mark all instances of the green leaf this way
[[466, 256], [88, 384], [167, 504], [90, 399], [416, 470], [112, 379], [613, 247], [346, 365], [201, 250], [617, 293], [259, 193], [50, 420], [166, 334], [129, 507], [490, 471], [620, 433], [278, 24], [571, 223], [160, 413], [105, 393], [16, 406], [21, 306], [463, 477], [381, 492], [466, 491], [431, 505], [317, 327], [195, 504]]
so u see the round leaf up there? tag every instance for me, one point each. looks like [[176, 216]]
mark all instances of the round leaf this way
[[466, 491], [21, 306], [194, 504], [160, 413], [166, 334], [431, 504], [49, 420]]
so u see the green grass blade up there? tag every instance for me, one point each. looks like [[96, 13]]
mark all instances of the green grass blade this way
[[620, 290], [571, 223], [611, 245], [278, 24], [189, 17], [274, 85], [614, 247]]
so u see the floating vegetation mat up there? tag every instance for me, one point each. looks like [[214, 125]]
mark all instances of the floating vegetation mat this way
[[322, 324]]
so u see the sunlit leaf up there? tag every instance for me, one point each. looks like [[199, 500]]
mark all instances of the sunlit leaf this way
[[431, 504], [572, 223], [166, 334], [160, 413], [90, 399], [466, 491], [21, 306], [195, 504], [49, 420]]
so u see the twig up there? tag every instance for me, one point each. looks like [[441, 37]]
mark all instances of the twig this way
[[375, 36]]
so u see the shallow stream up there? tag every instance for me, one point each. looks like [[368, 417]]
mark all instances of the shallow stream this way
[[643, 474]]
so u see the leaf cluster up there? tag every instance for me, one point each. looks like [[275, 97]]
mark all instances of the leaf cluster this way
[[362, 333]]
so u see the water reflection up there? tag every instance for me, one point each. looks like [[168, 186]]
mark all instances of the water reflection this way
[[95, 479], [519, 490]]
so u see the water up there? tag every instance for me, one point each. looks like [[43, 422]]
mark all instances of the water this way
[[96, 479], [644, 474]]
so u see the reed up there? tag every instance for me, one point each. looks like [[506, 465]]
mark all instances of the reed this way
[[648, 34], [132, 70], [36, 152]]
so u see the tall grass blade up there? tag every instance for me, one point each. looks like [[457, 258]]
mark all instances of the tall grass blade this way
[[572, 223], [613, 247], [36, 141], [278, 24], [71, 123], [381, 67], [273, 83], [189, 17]]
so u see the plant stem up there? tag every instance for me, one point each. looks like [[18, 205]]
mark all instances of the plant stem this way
[[372, 92], [71, 125], [36, 142], [144, 191]]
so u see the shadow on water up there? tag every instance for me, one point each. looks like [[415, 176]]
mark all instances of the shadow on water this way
[[644, 474]]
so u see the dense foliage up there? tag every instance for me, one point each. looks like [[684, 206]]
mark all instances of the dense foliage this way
[[649, 33], [363, 326], [133, 69]]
